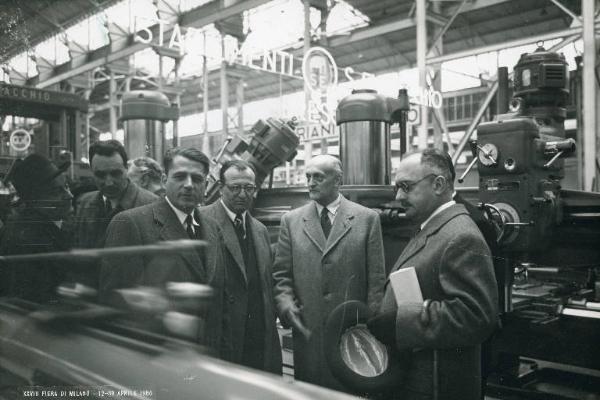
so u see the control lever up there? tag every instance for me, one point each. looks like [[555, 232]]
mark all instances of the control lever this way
[[473, 145], [475, 148], [557, 149]]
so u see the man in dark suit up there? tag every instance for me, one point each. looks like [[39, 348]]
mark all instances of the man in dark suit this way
[[94, 210], [249, 284], [455, 272], [36, 227], [329, 251], [172, 218]]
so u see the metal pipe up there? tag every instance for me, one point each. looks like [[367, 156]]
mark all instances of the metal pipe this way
[[224, 91], [205, 144], [306, 48], [502, 97], [422, 67], [590, 87], [112, 89], [441, 33], [239, 97], [567, 11]]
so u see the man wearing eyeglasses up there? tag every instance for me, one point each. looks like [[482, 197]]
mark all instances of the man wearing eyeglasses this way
[[455, 272], [248, 257], [173, 217], [94, 210], [329, 251]]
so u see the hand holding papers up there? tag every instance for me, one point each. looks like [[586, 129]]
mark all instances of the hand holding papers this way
[[405, 285]]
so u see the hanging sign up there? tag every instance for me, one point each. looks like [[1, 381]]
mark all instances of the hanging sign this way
[[20, 140]]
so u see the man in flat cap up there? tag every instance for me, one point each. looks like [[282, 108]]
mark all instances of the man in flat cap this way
[[35, 227]]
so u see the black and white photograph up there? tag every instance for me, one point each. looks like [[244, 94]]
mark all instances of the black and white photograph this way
[[300, 199]]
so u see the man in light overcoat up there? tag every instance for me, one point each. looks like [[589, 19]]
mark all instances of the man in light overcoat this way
[[329, 251]]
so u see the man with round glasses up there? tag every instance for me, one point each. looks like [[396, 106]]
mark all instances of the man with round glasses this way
[[251, 312], [455, 273]]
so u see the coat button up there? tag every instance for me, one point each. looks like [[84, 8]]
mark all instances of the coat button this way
[[231, 299]]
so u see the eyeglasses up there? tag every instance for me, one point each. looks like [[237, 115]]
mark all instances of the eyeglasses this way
[[236, 189], [407, 186]]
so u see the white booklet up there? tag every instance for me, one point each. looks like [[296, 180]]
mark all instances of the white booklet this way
[[406, 285]]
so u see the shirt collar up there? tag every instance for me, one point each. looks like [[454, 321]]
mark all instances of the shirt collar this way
[[331, 207], [231, 214], [127, 199], [181, 216], [437, 211]]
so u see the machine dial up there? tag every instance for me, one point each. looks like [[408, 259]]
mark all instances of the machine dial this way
[[488, 154]]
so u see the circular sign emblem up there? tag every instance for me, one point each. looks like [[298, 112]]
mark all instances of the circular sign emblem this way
[[319, 70], [20, 139]]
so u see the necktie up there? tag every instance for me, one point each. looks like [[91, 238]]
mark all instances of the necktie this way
[[108, 207], [325, 222], [238, 224], [189, 226]]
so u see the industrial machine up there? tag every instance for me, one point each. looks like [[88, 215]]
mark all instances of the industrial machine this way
[[61, 123], [56, 132], [144, 114], [272, 143], [547, 256]]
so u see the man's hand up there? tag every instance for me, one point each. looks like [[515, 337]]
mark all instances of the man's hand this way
[[293, 317], [383, 327]]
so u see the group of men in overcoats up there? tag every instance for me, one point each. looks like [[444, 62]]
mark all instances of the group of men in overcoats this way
[[329, 251]]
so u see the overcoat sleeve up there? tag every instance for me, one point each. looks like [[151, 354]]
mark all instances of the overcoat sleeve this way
[[375, 265], [467, 313], [283, 276], [120, 271]]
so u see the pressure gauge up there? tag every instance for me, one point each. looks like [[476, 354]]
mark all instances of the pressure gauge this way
[[488, 154]]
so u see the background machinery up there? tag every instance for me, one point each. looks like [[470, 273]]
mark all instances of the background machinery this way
[[547, 257]]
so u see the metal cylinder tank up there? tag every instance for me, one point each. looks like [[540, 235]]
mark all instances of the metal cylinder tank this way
[[365, 118], [145, 113]]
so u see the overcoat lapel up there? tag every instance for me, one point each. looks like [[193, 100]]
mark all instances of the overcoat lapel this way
[[171, 229], [419, 241], [312, 227], [210, 255], [413, 247], [263, 251], [231, 240]]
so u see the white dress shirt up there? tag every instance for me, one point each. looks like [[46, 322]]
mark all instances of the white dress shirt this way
[[181, 216], [437, 211], [331, 208]]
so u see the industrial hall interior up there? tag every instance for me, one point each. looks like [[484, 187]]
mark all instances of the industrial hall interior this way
[[300, 199]]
